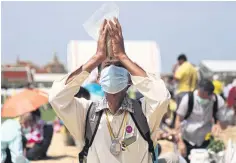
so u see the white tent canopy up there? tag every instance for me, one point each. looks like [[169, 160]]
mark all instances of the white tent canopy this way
[[145, 53], [220, 65]]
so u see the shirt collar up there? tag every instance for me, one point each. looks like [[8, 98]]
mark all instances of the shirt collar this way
[[126, 105]]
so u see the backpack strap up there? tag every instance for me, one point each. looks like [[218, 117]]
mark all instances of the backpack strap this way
[[92, 122], [141, 123], [215, 108], [190, 104]]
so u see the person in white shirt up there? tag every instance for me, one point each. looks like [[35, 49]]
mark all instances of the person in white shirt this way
[[115, 123], [12, 150], [205, 116]]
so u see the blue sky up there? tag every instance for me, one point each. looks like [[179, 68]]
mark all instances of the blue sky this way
[[202, 30]]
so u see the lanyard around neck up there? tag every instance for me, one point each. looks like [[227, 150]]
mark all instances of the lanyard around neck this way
[[121, 126]]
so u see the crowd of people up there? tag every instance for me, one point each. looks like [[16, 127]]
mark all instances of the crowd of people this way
[[121, 127], [25, 138], [198, 106]]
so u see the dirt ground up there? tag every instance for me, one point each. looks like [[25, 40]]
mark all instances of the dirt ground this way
[[60, 153]]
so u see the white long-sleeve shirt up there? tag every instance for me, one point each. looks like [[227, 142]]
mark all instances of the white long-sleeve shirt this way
[[11, 137], [73, 112]]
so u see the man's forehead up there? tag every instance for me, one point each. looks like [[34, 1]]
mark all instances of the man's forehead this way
[[111, 62], [206, 91]]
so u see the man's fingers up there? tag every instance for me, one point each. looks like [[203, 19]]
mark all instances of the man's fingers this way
[[115, 37], [103, 25], [105, 31], [118, 26], [103, 34], [117, 23], [110, 32], [113, 27]]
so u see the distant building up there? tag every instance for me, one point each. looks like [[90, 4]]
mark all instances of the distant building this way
[[21, 73], [224, 68], [52, 67], [55, 66], [15, 77]]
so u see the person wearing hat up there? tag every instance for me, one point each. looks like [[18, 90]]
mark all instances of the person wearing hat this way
[[195, 123]]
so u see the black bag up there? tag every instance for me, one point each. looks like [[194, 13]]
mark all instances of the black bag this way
[[191, 102], [93, 120]]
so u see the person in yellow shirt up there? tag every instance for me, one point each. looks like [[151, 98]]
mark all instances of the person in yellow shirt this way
[[218, 85], [186, 76]]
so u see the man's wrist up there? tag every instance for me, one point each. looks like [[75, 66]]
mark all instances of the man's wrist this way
[[100, 56], [122, 56], [96, 60]]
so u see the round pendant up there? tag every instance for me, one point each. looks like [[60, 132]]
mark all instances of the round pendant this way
[[115, 147]]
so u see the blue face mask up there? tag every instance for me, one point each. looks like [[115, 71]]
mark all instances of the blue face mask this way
[[114, 79], [203, 101]]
